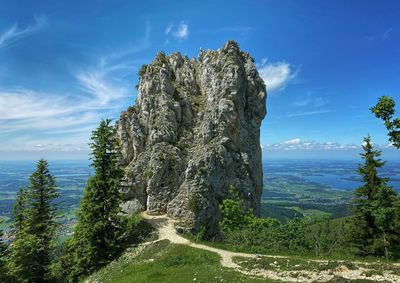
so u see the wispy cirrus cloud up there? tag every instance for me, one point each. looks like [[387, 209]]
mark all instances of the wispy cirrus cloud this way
[[309, 113], [386, 34], [38, 115], [139, 46], [103, 80], [25, 109], [99, 84], [15, 33], [311, 101], [179, 32], [64, 120], [276, 75], [380, 36]]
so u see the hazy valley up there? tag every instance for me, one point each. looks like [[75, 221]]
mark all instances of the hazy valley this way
[[306, 188]]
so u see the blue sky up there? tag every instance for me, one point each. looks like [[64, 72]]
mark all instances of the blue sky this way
[[64, 65]]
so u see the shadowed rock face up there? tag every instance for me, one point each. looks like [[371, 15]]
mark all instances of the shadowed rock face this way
[[193, 132]]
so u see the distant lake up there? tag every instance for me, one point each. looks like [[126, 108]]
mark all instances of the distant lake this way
[[71, 176], [340, 175]]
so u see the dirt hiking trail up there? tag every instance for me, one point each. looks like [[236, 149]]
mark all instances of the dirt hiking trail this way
[[166, 231]]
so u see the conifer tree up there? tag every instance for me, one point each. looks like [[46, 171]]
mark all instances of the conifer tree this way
[[31, 252], [19, 209], [98, 231], [3, 259], [375, 208]]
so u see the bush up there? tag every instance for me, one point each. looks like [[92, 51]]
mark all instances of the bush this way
[[244, 232], [234, 215], [142, 70], [194, 202]]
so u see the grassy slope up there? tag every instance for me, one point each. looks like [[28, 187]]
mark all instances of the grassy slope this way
[[165, 262]]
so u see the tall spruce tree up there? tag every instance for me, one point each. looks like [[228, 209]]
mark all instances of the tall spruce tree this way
[[375, 208], [97, 234], [31, 252]]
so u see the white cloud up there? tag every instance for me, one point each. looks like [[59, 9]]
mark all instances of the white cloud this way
[[276, 75], [26, 104], [27, 110], [14, 33], [292, 141], [49, 144], [141, 45], [97, 82], [309, 113], [168, 29], [180, 32], [386, 34], [28, 116], [39, 120], [303, 102], [382, 36], [298, 145], [311, 101]]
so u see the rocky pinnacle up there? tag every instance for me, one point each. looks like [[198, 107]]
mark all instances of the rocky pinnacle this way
[[193, 133]]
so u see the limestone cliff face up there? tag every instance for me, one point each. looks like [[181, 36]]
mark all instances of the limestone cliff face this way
[[193, 132]]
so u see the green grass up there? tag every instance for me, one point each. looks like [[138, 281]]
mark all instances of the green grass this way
[[312, 214], [165, 262]]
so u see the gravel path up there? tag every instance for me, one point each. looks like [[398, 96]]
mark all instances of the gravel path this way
[[166, 229]]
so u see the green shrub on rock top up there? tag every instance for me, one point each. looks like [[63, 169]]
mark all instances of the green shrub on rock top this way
[[142, 70]]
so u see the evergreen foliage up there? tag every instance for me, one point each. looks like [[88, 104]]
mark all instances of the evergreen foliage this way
[[376, 209], [35, 228], [99, 230], [19, 209], [385, 109], [3, 259]]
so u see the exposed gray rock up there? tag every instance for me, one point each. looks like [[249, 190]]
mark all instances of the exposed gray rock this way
[[194, 132], [132, 206]]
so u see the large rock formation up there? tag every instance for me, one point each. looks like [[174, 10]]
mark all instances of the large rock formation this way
[[194, 132]]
